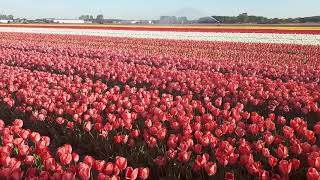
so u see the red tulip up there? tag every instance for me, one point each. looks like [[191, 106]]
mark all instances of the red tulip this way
[[44, 175], [87, 126], [5, 173], [121, 162], [67, 176], [135, 133], [288, 132], [2, 124], [75, 157], [144, 173], [102, 176], [202, 160], [264, 175], [211, 168], [115, 177], [99, 165], [272, 161], [108, 168], [268, 138], [16, 174], [29, 160], [116, 170], [184, 156], [66, 159], [229, 176], [282, 151], [295, 164], [24, 134], [18, 123], [58, 175], [313, 174], [296, 148], [60, 120], [314, 160], [84, 171], [88, 160], [316, 128], [35, 137], [246, 159], [50, 164], [70, 125], [46, 139], [285, 167], [160, 161], [131, 173], [31, 172], [23, 150]]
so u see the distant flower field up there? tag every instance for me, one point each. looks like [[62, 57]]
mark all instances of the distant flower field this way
[[159, 102]]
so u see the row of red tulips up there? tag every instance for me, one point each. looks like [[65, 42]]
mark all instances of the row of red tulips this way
[[27, 155], [254, 92], [248, 65], [179, 50], [169, 131], [196, 50]]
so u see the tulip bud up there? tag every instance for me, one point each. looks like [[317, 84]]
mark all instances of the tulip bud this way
[[75, 157]]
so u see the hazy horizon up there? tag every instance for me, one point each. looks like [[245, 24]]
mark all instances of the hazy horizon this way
[[144, 9]]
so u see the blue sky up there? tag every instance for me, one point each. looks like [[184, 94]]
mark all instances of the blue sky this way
[[151, 9]]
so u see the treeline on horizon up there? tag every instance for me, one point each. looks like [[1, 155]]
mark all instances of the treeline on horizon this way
[[245, 18]]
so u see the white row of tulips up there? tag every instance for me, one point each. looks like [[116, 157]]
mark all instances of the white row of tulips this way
[[304, 39]]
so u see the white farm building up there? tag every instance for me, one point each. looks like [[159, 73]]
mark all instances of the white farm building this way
[[5, 21], [69, 21]]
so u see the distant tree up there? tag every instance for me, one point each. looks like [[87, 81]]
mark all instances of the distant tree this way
[[243, 18], [99, 19], [2, 16], [10, 17], [182, 20], [82, 17], [86, 17]]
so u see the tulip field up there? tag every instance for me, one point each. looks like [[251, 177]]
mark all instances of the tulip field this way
[[95, 102]]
